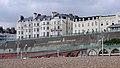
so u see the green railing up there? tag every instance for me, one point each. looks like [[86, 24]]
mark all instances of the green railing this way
[[2, 42], [69, 35]]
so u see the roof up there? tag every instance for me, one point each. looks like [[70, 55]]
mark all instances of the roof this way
[[114, 26], [71, 16], [108, 16]]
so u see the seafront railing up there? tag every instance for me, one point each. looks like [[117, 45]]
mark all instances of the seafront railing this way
[[74, 34]]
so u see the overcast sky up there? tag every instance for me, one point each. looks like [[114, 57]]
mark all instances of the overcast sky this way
[[10, 10]]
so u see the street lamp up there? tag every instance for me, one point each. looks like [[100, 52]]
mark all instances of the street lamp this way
[[102, 37], [102, 46], [25, 50], [17, 43], [58, 53]]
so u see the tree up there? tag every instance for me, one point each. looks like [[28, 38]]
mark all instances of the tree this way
[[1, 29], [13, 31], [8, 30]]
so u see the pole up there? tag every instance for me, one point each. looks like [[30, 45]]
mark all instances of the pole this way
[[58, 53], [102, 46], [17, 43], [21, 54], [17, 49], [25, 50]]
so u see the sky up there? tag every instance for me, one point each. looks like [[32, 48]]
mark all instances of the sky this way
[[10, 10]]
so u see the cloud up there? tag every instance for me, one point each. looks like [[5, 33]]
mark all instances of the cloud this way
[[12, 9]]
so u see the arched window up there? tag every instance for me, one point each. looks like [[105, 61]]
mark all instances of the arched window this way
[[81, 53], [104, 51], [115, 51], [92, 53], [70, 54]]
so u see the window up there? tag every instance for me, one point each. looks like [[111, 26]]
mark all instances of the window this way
[[82, 25], [43, 23], [83, 30], [54, 22], [47, 28], [88, 24], [29, 36], [58, 27], [92, 30], [21, 32], [47, 33], [34, 35], [18, 32], [29, 30], [37, 35], [37, 29], [43, 28], [75, 31], [34, 24], [112, 23], [37, 24], [96, 30], [21, 27], [25, 25], [58, 33], [21, 37], [101, 23], [75, 25], [34, 29], [79, 31], [25, 36], [29, 25], [92, 24], [107, 24], [95, 23], [26, 30], [58, 22], [55, 27], [87, 30], [79, 25], [43, 33], [47, 23]]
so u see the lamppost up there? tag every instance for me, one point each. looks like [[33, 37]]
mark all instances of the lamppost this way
[[102, 39], [25, 50], [58, 53], [17, 43], [102, 47]]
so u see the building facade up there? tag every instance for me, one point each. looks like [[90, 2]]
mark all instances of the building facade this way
[[62, 24], [95, 23], [7, 36], [44, 26]]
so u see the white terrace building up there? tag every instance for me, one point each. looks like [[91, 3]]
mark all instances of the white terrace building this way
[[61, 24], [95, 23], [41, 25]]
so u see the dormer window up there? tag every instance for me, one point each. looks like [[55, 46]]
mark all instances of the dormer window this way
[[112, 23]]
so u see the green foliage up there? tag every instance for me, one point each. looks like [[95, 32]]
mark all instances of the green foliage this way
[[112, 42]]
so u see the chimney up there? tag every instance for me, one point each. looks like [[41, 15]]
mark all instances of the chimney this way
[[34, 15], [39, 14], [21, 18], [54, 14]]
